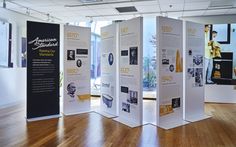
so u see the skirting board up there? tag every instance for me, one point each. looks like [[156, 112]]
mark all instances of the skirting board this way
[[195, 118], [43, 118], [127, 122], [149, 122], [75, 113], [105, 114], [170, 125]]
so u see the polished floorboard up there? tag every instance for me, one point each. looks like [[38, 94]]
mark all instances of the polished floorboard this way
[[94, 130]]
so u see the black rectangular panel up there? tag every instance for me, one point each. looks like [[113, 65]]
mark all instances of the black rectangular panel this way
[[82, 51], [43, 44], [124, 89], [124, 53]]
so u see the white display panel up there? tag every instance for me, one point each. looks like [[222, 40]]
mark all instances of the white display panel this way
[[76, 70], [169, 73], [194, 71], [131, 66], [109, 50]]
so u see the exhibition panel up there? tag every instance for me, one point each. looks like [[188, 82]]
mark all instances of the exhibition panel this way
[[76, 70], [169, 73], [109, 55], [220, 67], [194, 71], [43, 43], [131, 69]]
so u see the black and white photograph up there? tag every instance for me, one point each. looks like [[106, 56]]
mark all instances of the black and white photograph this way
[[79, 63], [70, 54], [133, 97], [71, 89], [110, 58], [107, 100], [171, 68], [133, 56], [126, 107], [190, 73], [198, 77], [175, 102], [165, 61], [197, 60]]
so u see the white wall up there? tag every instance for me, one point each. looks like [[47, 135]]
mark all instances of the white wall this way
[[12, 86], [13, 80], [219, 93]]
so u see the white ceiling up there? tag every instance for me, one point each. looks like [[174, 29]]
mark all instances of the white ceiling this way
[[107, 11]]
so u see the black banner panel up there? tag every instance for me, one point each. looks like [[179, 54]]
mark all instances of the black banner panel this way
[[43, 44]]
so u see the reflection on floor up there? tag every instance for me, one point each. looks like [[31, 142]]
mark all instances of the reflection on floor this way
[[93, 130], [149, 109]]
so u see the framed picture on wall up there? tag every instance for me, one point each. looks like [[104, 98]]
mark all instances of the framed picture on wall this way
[[222, 33]]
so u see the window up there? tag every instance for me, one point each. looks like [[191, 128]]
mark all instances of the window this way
[[5, 44]]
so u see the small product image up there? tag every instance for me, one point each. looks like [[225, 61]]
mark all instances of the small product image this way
[[133, 56], [133, 97], [71, 89], [198, 77], [171, 68], [175, 102], [126, 107], [198, 60], [107, 100], [190, 73], [70, 54], [79, 63], [166, 109], [110, 58], [178, 62], [165, 61]]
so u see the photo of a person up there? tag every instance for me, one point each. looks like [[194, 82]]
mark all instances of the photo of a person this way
[[110, 59], [212, 50], [79, 63], [215, 46], [133, 56], [70, 54], [71, 89]]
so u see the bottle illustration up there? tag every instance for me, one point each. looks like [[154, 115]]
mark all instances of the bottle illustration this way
[[179, 62]]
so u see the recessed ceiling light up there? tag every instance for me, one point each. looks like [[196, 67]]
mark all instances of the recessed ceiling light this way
[[126, 9]]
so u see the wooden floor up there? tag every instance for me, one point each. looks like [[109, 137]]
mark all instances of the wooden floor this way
[[93, 130]]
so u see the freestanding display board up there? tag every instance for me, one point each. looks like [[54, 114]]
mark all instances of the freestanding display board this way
[[194, 71], [109, 51], [76, 70], [42, 70], [169, 73], [131, 68]]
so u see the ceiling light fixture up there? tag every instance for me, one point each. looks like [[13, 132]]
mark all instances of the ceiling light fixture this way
[[101, 2], [126, 9], [28, 10]]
